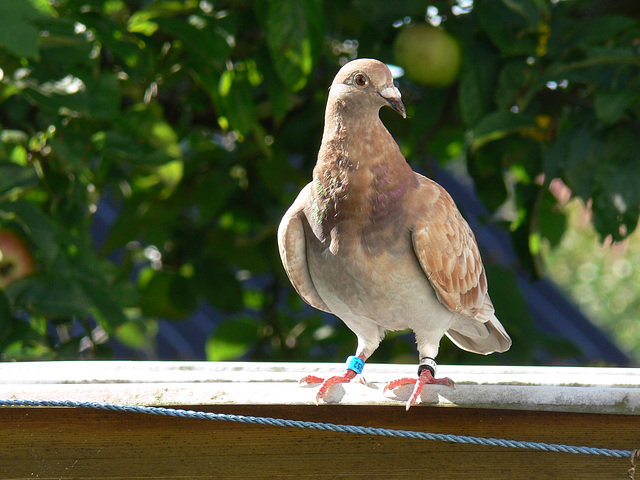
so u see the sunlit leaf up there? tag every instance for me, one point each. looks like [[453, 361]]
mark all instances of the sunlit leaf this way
[[231, 340], [136, 334], [499, 124]]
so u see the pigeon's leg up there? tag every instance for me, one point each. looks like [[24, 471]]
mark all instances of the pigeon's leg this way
[[426, 376], [352, 373]]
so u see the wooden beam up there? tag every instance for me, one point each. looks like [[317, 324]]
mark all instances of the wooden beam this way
[[48, 443]]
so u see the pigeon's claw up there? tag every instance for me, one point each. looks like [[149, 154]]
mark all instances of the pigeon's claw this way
[[309, 379], [399, 382], [348, 376], [425, 378]]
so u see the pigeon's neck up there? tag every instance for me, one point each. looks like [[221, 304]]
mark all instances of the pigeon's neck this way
[[361, 178], [353, 142]]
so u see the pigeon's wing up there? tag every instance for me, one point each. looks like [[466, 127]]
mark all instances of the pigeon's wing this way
[[448, 254], [293, 251]]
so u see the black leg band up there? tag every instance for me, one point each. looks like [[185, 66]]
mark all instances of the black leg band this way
[[429, 363]]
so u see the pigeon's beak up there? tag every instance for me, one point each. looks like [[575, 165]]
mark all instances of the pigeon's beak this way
[[394, 99]]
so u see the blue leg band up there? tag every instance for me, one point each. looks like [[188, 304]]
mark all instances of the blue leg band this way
[[354, 363]]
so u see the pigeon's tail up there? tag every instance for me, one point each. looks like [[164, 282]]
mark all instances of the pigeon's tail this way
[[478, 337]]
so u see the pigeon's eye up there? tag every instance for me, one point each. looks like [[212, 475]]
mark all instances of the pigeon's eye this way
[[360, 80]]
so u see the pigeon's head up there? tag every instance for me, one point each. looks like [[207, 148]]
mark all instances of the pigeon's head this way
[[366, 84]]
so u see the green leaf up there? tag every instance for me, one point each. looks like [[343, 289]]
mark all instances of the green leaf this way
[[516, 77], [99, 98], [17, 34], [19, 37], [603, 168], [129, 150], [231, 340], [236, 100], [41, 229], [381, 14], [47, 295], [63, 48], [597, 29], [105, 306], [477, 82], [616, 199], [574, 157], [140, 21], [42, 6], [499, 124], [218, 285], [167, 295], [103, 98], [138, 335], [278, 92], [599, 56], [68, 350], [14, 176], [448, 143], [610, 106], [531, 10], [551, 220], [511, 309], [427, 111], [73, 281], [485, 166], [293, 31], [6, 317], [509, 24], [206, 45]]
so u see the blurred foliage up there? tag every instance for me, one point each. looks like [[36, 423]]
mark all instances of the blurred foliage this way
[[197, 122], [603, 279]]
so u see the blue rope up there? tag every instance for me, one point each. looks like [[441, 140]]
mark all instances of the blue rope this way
[[279, 422]]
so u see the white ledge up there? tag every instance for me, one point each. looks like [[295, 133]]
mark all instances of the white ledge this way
[[592, 390]]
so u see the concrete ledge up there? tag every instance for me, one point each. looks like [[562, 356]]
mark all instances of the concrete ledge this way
[[596, 407], [559, 389]]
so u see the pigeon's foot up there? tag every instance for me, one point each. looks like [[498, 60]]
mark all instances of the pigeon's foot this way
[[348, 376], [425, 378]]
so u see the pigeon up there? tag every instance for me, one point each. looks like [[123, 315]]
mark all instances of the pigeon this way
[[381, 246]]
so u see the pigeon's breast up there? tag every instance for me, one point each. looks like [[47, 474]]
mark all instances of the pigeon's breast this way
[[363, 206], [387, 216], [389, 289]]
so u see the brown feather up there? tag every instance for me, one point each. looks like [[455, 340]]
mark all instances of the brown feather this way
[[447, 251]]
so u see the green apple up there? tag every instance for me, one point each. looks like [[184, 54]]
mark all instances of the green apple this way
[[428, 55], [16, 260]]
